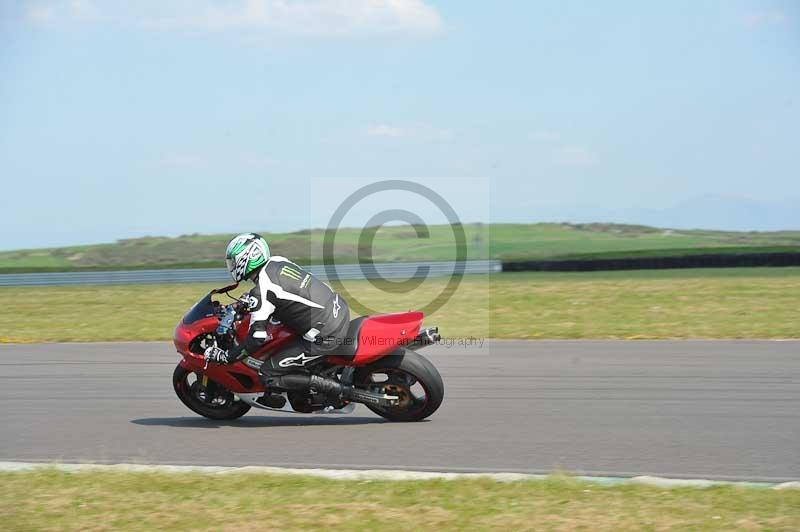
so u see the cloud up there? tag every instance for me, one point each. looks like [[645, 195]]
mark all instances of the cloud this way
[[545, 135], [84, 9], [195, 160], [53, 11], [414, 132], [255, 160], [561, 150], [41, 14], [184, 160], [384, 130], [309, 18], [573, 155], [765, 18]]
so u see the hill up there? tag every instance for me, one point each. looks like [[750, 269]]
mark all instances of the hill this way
[[401, 243]]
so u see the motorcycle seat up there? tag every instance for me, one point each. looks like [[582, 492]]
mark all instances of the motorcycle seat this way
[[370, 337], [349, 345]]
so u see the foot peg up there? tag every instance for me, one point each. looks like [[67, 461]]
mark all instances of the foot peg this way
[[272, 401]]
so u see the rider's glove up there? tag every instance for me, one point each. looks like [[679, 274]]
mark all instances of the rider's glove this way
[[217, 355], [246, 302]]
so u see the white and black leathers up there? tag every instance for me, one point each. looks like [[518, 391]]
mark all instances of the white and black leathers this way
[[287, 293]]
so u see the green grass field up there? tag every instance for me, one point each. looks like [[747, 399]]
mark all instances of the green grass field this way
[[51, 500], [400, 243], [707, 303]]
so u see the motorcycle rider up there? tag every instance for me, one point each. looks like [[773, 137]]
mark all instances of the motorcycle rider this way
[[285, 292]]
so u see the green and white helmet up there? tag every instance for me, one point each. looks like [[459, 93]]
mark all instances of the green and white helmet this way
[[246, 253]]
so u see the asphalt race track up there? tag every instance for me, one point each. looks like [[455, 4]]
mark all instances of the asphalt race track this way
[[722, 410]]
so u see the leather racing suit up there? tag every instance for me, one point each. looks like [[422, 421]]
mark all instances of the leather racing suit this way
[[286, 292]]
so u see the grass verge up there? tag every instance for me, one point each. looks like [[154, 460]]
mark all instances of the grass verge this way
[[52, 500], [705, 303]]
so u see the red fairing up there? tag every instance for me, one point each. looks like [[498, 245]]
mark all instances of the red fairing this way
[[236, 377], [224, 375], [378, 336], [280, 336], [381, 334], [186, 332]]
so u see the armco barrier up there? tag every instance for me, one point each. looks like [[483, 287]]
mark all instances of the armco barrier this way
[[395, 270], [733, 260]]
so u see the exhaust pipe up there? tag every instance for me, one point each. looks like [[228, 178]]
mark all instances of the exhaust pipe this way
[[334, 388], [426, 337], [362, 396]]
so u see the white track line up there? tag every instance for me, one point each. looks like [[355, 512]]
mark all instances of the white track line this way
[[380, 474]]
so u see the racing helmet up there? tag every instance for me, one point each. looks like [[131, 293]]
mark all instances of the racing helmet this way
[[246, 253]]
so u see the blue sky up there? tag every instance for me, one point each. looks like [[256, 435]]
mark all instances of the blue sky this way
[[120, 119]]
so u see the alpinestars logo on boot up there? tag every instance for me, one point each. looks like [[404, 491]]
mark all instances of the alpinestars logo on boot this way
[[299, 360]]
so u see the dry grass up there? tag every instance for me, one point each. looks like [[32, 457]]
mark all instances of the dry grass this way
[[50, 500], [726, 303]]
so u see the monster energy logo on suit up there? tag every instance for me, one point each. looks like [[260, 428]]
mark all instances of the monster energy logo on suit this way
[[290, 272]]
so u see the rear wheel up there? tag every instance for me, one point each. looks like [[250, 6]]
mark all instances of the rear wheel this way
[[407, 375], [211, 401]]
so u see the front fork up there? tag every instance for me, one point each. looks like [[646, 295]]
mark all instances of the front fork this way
[[203, 384]]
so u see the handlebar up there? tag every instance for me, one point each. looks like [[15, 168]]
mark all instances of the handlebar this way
[[230, 313], [227, 319]]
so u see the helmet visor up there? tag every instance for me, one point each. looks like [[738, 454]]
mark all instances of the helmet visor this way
[[231, 264]]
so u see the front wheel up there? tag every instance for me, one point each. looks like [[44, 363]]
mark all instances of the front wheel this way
[[211, 401], [407, 375]]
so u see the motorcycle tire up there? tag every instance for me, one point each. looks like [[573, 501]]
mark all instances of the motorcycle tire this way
[[409, 363], [232, 410]]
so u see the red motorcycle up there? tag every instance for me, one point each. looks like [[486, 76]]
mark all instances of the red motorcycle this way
[[378, 359]]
